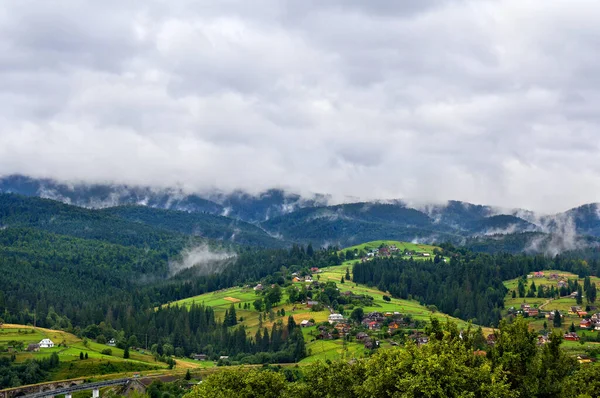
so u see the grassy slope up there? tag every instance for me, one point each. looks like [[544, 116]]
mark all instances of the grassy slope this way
[[331, 349], [71, 366], [415, 247]]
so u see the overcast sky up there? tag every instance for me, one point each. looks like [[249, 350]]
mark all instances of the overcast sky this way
[[494, 102]]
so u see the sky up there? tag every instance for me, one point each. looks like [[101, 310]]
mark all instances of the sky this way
[[492, 102]]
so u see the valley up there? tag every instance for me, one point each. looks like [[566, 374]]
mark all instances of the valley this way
[[176, 290]]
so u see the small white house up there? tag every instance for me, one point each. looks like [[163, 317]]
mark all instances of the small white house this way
[[111, 343], [333, 318], [46, 343]]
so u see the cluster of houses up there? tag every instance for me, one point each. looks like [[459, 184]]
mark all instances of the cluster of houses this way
[[591, 323], [204, 357], [527, 309], [387, 251], [373, 321], [562, 281]]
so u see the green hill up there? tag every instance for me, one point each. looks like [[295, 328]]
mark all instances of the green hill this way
[[243, 298], [14, 340]]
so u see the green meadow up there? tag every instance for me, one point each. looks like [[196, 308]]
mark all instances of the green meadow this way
[[71, 347], [414, 247]]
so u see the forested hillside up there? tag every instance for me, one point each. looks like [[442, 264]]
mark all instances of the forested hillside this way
[[278, 214], [469, 286]]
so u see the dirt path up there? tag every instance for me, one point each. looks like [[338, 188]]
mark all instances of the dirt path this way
[[545, 303]]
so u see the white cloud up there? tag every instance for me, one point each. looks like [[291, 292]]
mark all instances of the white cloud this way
[[485, 101]]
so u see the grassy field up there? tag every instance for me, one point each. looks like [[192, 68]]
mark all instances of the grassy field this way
[[71, 346]]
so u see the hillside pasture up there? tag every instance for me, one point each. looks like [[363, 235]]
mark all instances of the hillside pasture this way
[[413, 247], [69, 350]]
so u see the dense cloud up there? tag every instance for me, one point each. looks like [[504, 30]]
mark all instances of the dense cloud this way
[[485, 101]]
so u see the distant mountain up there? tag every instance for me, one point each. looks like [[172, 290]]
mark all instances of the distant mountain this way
[[280, 217], [197, 224], [586, 219], [99, 196], [251, 208], [501, 224], [130, 225], [266, 205], [458, 215], [353, 223]]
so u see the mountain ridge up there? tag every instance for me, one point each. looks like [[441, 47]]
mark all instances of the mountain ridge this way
[[289, 217]]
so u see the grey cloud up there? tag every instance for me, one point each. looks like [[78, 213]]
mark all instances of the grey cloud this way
[[484, 101]]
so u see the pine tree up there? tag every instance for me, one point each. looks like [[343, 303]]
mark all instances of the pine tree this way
[[81, 355], [126, 352], [309, 250], [557, 322], [231, 316], [348, 274], [188, 375]]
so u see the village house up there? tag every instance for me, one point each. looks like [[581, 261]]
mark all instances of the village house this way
[[542, 340], [342, 328], [419, 338], [306, 323], [532, 312], [258, 287], [361, 336], [584, 359], [297, 279], [374, 325], [33, 347], [311, 303], [308, 279], [425, 254], [46, 343], [574, 310], [315, 270], [550, 315], [200, 357], [392, 327], [585, 323], [572, 336], [561, 284], [111, 343], [224, 357], [333, 318], [491, 339], [538, 274]]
